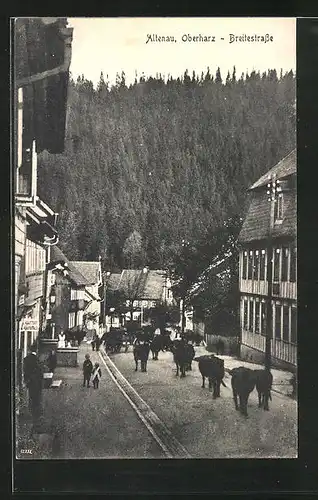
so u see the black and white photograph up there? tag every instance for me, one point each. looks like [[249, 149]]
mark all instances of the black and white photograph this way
[[155, 238]]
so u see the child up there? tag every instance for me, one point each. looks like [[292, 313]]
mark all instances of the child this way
[[87, 370], [97, 373]]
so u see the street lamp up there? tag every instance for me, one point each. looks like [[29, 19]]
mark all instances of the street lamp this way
[[273, 187]]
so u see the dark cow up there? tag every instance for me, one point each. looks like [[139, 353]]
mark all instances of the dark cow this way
[[244, 380], [190, 355], [183, 355], [264, 381], [212, 367], [156, 346], [243, 383], [141, 353]]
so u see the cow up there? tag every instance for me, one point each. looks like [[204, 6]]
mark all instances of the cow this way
[[264, 381], [212, 367], [243, 383], [156, 346], [244, 380], [183, 355], [141, 353], [190, 354]]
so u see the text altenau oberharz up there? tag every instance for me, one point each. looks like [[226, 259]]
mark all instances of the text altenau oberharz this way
[[184, 38]]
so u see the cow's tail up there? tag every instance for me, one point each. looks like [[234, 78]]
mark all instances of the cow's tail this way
[[269, 395], [223, 383]]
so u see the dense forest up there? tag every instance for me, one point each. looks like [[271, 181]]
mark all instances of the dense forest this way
[[153, 163]]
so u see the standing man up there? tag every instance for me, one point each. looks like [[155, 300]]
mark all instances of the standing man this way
[[33, 376], [87, 370]]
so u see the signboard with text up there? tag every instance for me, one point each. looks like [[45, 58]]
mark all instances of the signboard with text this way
[[30, 325]]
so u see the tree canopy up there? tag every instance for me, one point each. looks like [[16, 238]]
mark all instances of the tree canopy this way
[[168, 159]]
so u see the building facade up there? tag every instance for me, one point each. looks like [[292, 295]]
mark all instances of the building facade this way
[[268, 238], [73, 301], [42, 53], [144, 289]]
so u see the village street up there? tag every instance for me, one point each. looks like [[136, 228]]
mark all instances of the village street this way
[[187, 422], [210, 428]]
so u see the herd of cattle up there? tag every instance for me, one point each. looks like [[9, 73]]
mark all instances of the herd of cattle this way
[[243, 380]]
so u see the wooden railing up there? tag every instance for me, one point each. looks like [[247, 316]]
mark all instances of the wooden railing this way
[[280, 349]]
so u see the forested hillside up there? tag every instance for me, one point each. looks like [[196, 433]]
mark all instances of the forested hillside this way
[[166, 159]]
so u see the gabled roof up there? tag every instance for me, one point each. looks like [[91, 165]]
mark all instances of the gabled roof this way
[[256, 225], [89, 269], [113, 281], [284, 168], [58, 256], [135, 282], [154, 285]]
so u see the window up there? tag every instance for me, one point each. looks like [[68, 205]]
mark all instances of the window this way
[[251, 316], [245, 317], [278, 312], [278, 210], [262, 265], [293, 264], [71, 319], [262, 312], [277, 254], [257, 317], [73, 294], [250, 265], [285, 259], [293, 325], [244, 266], [256, 265], [80, 317], [286, 323]]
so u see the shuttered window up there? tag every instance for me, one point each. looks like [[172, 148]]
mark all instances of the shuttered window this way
[[262, 265], [277, 253], [293, 263], [245, 317], [278, 312], [250, 265], [251, 317], [244, 266], [256, 265], [285, 260], [293, 325], [286, 323], [257, 317]]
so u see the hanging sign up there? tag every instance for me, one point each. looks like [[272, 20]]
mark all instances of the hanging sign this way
[[29, 325]]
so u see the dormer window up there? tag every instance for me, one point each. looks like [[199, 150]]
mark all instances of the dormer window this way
[[279, 206]]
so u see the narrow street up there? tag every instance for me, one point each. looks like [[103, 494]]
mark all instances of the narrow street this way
[[92, 423], [159, 415], [210, 428]]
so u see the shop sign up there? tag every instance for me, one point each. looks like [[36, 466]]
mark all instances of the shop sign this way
[[29, 325]]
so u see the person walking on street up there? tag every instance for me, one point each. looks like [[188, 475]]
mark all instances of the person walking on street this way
[[97, 373], [87, 370], [97, 342], [52, 361], [33, 377]]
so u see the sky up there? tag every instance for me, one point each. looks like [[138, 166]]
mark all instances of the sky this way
[[113, 45]]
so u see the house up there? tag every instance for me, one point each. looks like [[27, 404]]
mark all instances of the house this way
[[143, 289], [72, 294], [42, 54], [269, 229], [92, 272]]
